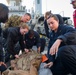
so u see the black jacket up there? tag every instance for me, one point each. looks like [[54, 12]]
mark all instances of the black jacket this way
[[35, 41], [64, 32], [1, 45], [12, 36]]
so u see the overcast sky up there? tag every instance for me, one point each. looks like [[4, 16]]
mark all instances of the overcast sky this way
[[62, 7]]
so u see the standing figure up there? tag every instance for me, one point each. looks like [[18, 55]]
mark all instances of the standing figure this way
[[73, 2]]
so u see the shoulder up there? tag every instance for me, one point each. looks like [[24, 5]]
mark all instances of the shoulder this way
[[36, 33], [13, 30], [67, 28]]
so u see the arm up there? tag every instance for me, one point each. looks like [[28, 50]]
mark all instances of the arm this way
[[22, 43], [10, 44], [38, 43], [69, 35], [68, 38]]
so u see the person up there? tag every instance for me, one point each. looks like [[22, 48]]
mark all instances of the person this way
[[3, 18], [62, 47], [31, 39], [15, 20], [45, 21], [14, 35], [73, 2], [25, 18]]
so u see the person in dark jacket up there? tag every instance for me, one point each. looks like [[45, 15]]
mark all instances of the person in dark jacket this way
[[3, 18], [62, 47], [14, 35], [45, 21], [32, 38]]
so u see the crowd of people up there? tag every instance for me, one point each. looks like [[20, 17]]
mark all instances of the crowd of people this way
[[61, 51]]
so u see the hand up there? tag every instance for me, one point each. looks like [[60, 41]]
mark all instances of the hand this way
[[55, 46], [17, 56], [38, 50], [2, 63], [48, 65], [26, 50]]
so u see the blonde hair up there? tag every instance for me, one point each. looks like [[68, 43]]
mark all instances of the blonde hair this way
[[24, 25]]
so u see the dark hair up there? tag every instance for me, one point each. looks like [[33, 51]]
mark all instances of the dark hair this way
[[61, 21], [31, 33], [28, 14], [3, 13]]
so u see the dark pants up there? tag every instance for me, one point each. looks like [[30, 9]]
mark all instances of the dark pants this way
[[66, 61], [7, 54], [43, 43]]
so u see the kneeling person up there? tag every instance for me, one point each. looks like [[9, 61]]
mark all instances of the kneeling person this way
[[31, 39]]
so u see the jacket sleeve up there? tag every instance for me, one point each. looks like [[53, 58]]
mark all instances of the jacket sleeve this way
[[21, 42], [70, 36], [10, 44], [38, 41], [5, 33], [1, 50]]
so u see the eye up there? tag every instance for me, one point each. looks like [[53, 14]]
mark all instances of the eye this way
[[27, 19], [52, 23]]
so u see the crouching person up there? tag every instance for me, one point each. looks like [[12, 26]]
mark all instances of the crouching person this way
[[15, 35], [62, 47], [31, 39]]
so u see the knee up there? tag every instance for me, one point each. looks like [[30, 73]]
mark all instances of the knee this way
[[62, 51], [43, 40]]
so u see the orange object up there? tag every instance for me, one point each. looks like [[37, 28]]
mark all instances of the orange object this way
[[44, 58]]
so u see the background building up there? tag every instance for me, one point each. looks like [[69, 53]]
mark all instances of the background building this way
[[16, 8]]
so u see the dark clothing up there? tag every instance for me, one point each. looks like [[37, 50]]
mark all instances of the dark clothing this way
[[64, 57], [1, 50], [62, 33], [61, 22], [46, 28], [13, 36], [1, 47], [43, 43], [62, 29], [67, 55], [65, 62], [2, 67], [29, 43]]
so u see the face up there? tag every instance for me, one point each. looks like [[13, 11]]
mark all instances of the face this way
[[25, 18], [53, 24], [23, 31], [74, 4]]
